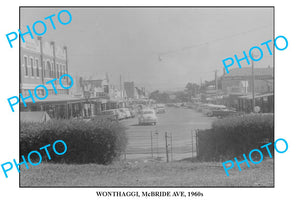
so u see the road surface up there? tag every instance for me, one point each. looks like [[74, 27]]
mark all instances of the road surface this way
[[178, 123]]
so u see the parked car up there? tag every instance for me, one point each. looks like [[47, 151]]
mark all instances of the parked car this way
[[160, 108], [107, 114], [126, 111], [121, 114], [201, 106], [132, 113], [220, 113], [147, 116], [217, 110], [209, 108]]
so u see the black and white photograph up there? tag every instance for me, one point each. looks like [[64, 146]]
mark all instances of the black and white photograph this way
[[149, 106], [146, 96]]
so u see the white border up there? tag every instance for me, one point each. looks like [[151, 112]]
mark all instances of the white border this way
[[281, 199]]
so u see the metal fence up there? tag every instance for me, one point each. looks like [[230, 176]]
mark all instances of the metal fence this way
[[160, 145]]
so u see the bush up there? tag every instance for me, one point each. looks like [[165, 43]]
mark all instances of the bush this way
[[231, 137], [98, 141]]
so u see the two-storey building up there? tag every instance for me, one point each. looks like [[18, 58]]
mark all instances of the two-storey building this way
[[42, 61]]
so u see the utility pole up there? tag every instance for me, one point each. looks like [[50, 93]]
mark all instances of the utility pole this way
[[167, 151], [216, 85], [216, 80], [200, 86], [120, 82], [253, 85]]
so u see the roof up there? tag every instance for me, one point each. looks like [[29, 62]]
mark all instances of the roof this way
[[62, 99], [39, 116], [247, 71], [256, 96]]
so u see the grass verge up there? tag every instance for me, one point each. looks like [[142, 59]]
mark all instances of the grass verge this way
[[142, 174]]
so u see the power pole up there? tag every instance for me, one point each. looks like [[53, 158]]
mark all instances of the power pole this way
[[216, 85], [216, 80], [200, 86], [120, 82], [253, 86], [167, 151]]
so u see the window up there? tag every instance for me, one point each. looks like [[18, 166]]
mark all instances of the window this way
[[52, 69], [57, 70], [60, 70], [44, 65], [37, 67], [26, 65], [48, 70], [63, 70], [31, 64]]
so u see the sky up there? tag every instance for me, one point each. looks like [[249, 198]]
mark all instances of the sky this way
[[157, 48]]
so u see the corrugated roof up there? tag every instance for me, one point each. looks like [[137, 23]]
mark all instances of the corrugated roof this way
[[62, 99], [247, 71], [256, 96]]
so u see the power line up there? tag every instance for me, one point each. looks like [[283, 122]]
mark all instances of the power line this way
[[212, 41]]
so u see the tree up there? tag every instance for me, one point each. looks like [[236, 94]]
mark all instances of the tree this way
[[192, 89], [182, 96], [154, 95], [160, 97]]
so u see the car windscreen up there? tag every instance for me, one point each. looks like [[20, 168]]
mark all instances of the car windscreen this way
[[147, 112]]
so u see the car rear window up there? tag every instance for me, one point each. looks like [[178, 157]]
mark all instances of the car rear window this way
[[107, 113]]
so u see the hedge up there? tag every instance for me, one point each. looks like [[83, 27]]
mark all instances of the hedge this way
[[98, 141], [233, 136]]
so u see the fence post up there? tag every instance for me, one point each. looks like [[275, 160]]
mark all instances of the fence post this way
[[171, 146], [156, 144], [151, 144], [197, 143], [167, 154], [192, 131]]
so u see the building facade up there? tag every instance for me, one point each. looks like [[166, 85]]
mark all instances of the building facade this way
[[239, 81], [237, 87], [40, 62], [130, 89]]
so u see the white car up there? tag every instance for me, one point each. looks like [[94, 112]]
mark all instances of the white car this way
[[126, 111], [121, 114], [147, 116], [160, 108]]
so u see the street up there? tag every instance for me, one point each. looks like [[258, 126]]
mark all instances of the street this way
[[178, 123]]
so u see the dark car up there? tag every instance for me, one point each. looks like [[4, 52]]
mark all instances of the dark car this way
[[108, 115]]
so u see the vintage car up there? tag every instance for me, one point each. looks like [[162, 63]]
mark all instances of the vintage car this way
[[121, 114], [160, 108], [220, 113], [126, 112], [111, 115], [147, 116], [107, 114]]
